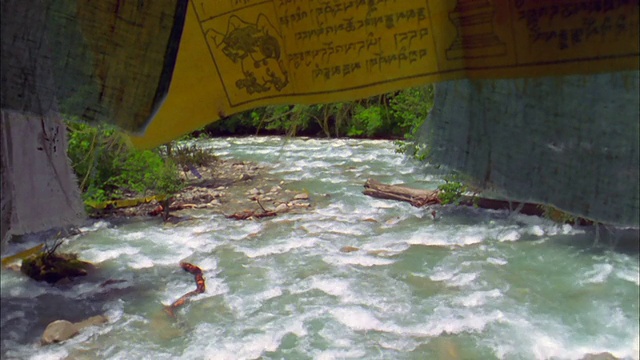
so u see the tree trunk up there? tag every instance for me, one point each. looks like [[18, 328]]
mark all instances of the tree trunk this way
[[420, 198], [165, 208], [415, 197]]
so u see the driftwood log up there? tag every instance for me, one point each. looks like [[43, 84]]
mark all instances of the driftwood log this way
[[421, 198], [200, 287], [415, 197], [250, 214]]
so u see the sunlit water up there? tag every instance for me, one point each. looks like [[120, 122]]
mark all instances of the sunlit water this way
[[472, 284]]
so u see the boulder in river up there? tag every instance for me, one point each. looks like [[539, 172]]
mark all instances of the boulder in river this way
[[61, 330], [52, 267], [348, 249]]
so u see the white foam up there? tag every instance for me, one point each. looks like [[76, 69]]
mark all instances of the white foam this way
[[629, 275], [356, 259], [268, 294], [536, 230], [441, 275], [51, 354], [341, 354], [281, 248], [248, 347], [462, 279], [207, 264], [100, 224], [378, 204], [458, 237], [598, 274], [496, 261], [512, 235], [142, 262], [114, 310], [404, 344], [29, 290], [336, 227], [358, 319], [478, 298], [97, 255], [456, 322], [137, 235], [334, 287]]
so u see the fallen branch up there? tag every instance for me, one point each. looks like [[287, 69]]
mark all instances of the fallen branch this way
[[200, 287], [250, 214], [415, 197], [420, 198]]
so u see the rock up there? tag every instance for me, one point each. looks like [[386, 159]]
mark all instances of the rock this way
[[92, 321], [380, 252], [348, 249], [220, 188], [245, 177], [54, 267], [254, 191], [301, 196], [275, 189], [59, 330], [282, 208], [112, 281], [14, 267]]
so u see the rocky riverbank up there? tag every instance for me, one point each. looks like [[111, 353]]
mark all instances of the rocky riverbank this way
[[226, 187]]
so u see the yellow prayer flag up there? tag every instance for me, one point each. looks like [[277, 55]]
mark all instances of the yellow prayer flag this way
[[241, 54]]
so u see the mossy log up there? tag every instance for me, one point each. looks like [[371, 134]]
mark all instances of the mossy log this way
[[52, 267]]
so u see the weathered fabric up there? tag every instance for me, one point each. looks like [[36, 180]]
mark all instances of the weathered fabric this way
[[572, 142], [106, 60], [39, 189]]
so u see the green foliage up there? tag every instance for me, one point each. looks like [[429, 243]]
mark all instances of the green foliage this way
[[108, 168], [165, 179], [138, 171], [185, 155], [451, 192], [368, 121], [411, 107], [392, 115]]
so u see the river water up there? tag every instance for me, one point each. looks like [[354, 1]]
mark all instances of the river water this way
[[471, 284]]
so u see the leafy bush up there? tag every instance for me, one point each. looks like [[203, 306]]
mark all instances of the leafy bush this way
[[368, 121], [108, 168], [410, 107], [392, 115], [185, 155], [451, 192]]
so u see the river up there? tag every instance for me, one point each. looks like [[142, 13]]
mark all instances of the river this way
[[471, 284]]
